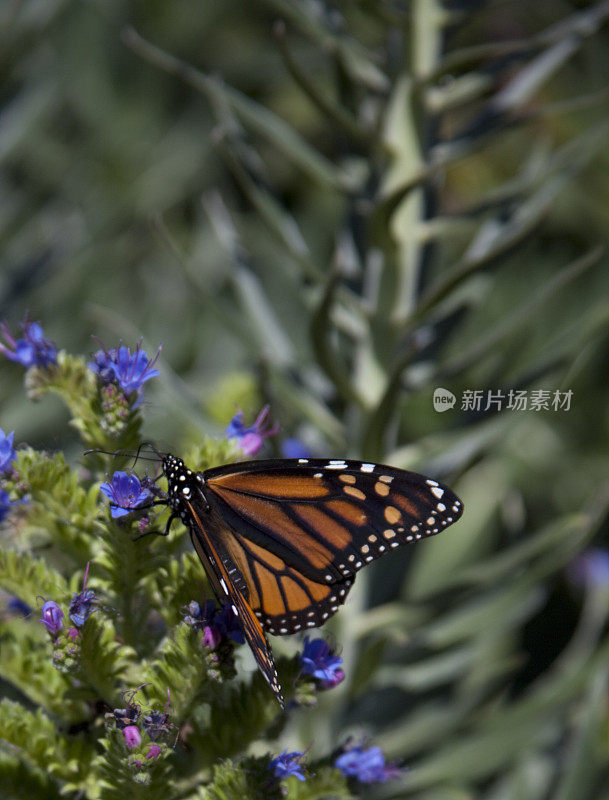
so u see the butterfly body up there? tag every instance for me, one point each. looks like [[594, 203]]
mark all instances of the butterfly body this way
[[282, 540]]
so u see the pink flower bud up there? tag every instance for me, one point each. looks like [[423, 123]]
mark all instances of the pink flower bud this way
[[133, 737]]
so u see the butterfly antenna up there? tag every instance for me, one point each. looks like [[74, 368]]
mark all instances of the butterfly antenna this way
[[128, 453]]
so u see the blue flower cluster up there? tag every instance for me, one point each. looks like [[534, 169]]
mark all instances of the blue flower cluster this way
[[320, 661], [287, 765], [32, 350], [367, 765], [216, 623], [250, 438], [7, 452], [120, 366], [125, 493], [81, 606], [7, 456]]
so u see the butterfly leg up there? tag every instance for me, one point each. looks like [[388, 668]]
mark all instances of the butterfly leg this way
[[158, 533]]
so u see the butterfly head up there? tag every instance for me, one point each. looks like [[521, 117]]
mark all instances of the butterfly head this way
[[182, 484]]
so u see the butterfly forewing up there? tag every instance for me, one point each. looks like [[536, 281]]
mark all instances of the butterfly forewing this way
[[327, 519]]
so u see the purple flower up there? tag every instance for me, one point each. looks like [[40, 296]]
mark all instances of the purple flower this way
[[156, 723], [590, 568], [129, 370], [81, 606], [5, 504], [211, 637], [216, 623], [18, 606], [293, 448], [154, 751], [82, 603], [125, 493], [321, 662], [133, 737], [287, 764], [366, 765], [52, 617], [228, 623], [202, 620], [33, 350], [7, 451], [250, 438]]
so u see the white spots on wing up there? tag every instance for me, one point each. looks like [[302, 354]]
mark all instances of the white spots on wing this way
[[182, 478], [367, 468], [234, 607], [303, 460], [437, 492], [186, 491], [336, 465], [318, 475], [429, 482], [223, 585], [441, 507], [328, 578]]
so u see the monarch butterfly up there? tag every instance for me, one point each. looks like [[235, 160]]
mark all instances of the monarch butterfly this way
[[282, 540]]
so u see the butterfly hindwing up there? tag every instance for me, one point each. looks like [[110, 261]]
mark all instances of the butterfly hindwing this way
[[284, 600]]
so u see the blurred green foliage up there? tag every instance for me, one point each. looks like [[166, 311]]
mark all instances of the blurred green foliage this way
[[337, 208]]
